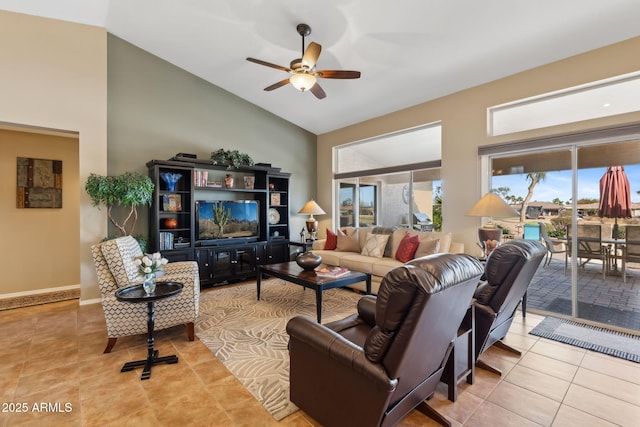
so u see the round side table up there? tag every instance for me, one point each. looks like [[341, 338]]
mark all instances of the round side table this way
[[136, 294]]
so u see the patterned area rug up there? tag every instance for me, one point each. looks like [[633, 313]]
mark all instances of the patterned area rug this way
[[249, 336], [618, 344]]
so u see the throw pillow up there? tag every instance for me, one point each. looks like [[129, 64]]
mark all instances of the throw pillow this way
[[374, 245], [407, 249], [332, 241], [388, 249], [348, 243], [427, 247]]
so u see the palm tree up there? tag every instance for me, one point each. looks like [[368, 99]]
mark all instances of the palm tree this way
[[533, 178]]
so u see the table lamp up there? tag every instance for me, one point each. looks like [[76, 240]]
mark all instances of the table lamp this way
[[311, 208], [491, 205]]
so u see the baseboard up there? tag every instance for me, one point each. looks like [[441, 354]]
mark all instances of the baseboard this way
[[26, 299]]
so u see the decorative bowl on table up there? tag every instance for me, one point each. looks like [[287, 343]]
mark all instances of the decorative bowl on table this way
[[308, 260]]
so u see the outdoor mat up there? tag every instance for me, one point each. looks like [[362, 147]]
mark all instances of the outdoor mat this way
[[612, 316], [618, 344], [249, 336]]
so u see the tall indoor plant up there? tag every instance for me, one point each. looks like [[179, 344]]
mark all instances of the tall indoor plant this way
[[128, 190]]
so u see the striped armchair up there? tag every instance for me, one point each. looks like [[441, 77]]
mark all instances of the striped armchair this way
[[115, 268]]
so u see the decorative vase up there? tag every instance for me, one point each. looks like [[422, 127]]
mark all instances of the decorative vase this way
[[149, 284], [171, 179], [308, 260], [171, 223]]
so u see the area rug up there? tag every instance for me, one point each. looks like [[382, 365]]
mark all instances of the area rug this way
[[618, 344], [249, 336]]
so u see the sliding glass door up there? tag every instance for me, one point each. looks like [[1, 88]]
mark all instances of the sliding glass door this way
[[559, 190]]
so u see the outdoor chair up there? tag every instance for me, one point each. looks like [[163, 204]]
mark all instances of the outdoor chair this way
[[374, 367], [589, 246], [631, 249], [553, 247], [114, 264]]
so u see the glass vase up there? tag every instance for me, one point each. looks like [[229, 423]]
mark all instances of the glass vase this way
[[149, 284]]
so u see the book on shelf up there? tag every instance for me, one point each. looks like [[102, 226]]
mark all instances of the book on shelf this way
[[166, 241], [329, 271]]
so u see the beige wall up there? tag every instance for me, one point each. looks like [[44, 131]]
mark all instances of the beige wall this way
[[42, 244], [464, 127], [53, 74]]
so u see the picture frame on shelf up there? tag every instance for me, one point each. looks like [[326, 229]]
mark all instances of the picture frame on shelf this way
[[171, 203], [275, 199], [249, 182]]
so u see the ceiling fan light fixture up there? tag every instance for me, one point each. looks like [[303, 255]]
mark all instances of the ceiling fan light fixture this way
[[302, 81]]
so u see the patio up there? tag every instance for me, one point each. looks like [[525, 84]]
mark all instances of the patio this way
[[610, 301]]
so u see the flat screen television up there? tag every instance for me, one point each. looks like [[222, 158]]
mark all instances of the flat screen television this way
[[243, 221]]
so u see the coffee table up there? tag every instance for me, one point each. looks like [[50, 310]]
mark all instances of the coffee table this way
[[136, 294], [292, 272]]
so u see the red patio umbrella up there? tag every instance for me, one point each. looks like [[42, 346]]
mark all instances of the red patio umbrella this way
[[615, 196]]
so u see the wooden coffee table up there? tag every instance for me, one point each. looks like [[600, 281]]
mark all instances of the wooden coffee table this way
[[292, 272]]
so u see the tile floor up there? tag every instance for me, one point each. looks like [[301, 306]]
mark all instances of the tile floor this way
[[52, 354]]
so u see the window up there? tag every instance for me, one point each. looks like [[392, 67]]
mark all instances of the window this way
[[389, 181], [598, 99]]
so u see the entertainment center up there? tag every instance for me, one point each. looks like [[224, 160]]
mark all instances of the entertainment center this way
[[228, 220]]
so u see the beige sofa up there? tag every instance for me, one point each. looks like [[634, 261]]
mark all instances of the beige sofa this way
[[350, 254]]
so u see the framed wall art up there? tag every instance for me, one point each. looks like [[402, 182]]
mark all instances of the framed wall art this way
[[39, 183]]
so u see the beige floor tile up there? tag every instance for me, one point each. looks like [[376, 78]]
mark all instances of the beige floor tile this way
[[614, 387], [562, 352], [538, 382], [602, 406], [570, 417], [612, 366], [556, 368], [520, 342], [527, 404], [37, 342], [492, 415]]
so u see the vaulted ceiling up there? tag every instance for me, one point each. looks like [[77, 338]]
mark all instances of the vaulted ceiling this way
[[409, 51]]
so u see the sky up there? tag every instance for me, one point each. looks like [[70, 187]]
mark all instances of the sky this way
[[558, 184]]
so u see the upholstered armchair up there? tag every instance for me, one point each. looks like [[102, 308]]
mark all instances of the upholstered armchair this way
[[374, 367], [114, 264], [508, 272]]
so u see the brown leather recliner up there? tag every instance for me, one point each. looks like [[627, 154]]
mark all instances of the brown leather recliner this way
[[374, 367], [508, 272]]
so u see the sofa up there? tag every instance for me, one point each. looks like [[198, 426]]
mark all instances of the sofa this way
[[378, 250]]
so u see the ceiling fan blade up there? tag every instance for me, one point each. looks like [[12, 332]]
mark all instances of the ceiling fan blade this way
[[311, 55], [318, 91], [269, 64], [277, 85], [338, 74]]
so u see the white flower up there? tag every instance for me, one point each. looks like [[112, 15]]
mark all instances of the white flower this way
[[137, 261], [156, 255], [146, 261], [164, 261], [147, 270]]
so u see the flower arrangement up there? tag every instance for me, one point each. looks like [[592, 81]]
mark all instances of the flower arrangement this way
[[150, 264]]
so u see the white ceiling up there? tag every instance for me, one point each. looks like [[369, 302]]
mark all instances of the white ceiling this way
[[409, 51]]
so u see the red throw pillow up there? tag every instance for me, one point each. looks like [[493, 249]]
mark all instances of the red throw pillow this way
[[407, 249], [332, 241]]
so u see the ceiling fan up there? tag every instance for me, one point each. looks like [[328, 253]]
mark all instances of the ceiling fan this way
[[303, 73]]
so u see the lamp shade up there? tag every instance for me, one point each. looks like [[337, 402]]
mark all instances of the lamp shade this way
[[491, 205], [311, 208], [302, 81]]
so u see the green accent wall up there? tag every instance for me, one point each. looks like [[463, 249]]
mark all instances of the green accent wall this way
[[156, 110]]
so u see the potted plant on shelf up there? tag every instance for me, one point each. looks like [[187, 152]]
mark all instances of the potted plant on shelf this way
[[128, 190], [233, 159]]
